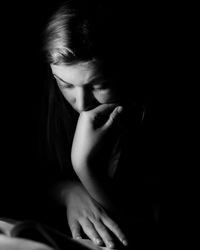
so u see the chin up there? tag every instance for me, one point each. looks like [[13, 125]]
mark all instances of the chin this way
[[78, 111]]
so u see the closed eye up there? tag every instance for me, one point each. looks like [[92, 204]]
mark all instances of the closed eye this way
[[63, 85], [101, 86]]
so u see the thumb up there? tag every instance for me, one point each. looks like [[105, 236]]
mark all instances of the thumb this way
[[113, 116]]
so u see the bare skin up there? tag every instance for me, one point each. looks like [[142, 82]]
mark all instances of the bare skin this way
[[94, 99], [90, 137], [85, 214]]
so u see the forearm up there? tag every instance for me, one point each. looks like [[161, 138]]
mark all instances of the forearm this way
[[98, 186], [63, 190]]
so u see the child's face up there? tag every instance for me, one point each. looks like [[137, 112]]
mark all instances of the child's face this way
[[83, 85]]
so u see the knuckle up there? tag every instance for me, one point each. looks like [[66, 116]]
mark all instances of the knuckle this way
[[90, 232], [118, 230], [71, 222], [115, 226], [101, 227], [73, 226], [74, 230], [107, 237], [111, 118], [87, 226], [121, 235], [114, 114], [94, 219]]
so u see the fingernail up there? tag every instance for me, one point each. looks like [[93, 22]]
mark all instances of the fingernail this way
[[97, 241], [110, 244], [119, 109], [125, 242]]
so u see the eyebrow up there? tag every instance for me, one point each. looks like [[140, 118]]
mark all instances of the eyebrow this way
[[62, 80], [92, 81]]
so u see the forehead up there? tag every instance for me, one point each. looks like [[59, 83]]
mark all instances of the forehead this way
[[80, 73]]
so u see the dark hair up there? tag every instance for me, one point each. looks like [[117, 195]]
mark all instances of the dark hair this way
[[81, 31], [86, 30]]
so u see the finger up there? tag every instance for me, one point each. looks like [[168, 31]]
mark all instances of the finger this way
[[113, 116], [104, 109], [75, 229], [91, 232], [114, 227], [100, 114], [105, 235]]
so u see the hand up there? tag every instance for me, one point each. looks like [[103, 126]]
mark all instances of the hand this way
[[91, 130], [85, 213]]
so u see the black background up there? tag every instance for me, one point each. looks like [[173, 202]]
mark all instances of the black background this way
[[22, 80]]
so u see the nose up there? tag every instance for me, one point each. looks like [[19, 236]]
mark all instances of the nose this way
[[84, 99]]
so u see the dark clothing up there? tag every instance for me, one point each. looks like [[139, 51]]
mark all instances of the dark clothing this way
[[136, 181]]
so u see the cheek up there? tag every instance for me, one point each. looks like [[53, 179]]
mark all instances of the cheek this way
[[68, 95], [105, 97]]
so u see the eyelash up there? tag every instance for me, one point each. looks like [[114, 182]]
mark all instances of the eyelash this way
[[98, 89], [64, 86], [101, 91]]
